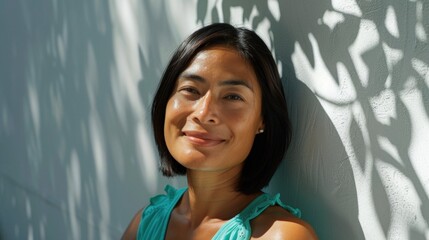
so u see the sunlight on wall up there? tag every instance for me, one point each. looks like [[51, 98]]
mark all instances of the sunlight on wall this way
[[391, 22], [74, 197], [421, 33], [403, 207], [97, 141], [347, 6], [331, 19], [148, 166], [367, 39], [419, 134]]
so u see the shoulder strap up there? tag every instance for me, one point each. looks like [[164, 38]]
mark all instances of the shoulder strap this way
[[154, 220], [257, 206], [239, 226]]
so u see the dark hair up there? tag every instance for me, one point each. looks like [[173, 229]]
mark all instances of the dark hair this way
[[268, 147]]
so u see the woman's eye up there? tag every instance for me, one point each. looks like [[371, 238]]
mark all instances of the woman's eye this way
[[189, 90], [234, 97]]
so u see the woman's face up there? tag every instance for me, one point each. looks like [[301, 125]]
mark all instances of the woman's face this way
[[214, 112]]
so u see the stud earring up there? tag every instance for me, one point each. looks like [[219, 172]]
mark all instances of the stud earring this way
[[260, 131]]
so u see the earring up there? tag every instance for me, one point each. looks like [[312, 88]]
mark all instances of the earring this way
[[260, 131]]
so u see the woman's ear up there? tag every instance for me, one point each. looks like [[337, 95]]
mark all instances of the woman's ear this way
[[261, 128]]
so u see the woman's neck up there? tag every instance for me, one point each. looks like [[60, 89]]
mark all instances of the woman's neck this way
[[213, 196]]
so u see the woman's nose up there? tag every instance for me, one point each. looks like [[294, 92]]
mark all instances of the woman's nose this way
[[205, 110]]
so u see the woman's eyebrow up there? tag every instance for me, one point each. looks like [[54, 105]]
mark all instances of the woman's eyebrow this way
[[229, 82], [194, 77], [236, 82]]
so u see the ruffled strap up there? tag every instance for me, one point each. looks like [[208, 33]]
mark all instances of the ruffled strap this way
[[163, 200], [261, 203], [154, 221], [170, 191], [239, 226]]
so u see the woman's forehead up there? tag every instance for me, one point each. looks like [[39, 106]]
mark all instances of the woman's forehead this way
[[222, 56]]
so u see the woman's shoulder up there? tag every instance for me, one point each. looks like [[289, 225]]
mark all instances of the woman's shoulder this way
[[277, 223], [131, 232]]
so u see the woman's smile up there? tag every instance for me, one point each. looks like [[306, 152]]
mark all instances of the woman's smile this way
[[202, 139]]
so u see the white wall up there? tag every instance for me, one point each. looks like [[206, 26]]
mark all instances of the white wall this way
[[77, 157]]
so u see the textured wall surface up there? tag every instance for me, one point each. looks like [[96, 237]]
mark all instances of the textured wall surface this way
[[77, 158]]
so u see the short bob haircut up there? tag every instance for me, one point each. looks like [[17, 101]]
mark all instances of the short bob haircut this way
[[268, 147]]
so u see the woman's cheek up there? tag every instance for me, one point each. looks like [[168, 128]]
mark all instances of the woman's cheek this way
[[177, 110]]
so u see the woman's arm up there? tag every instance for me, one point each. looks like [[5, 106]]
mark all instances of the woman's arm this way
[[131, 231]]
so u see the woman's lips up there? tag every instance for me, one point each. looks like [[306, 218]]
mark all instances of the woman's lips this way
[[202, 139]]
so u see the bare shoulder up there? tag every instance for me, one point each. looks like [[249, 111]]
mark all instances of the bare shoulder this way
[[131, 231], [277, 223]]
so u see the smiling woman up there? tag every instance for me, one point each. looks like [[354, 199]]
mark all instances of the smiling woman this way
[[220, 117], [211, 118]]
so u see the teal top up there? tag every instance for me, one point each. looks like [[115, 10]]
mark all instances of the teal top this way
[[155, 217]]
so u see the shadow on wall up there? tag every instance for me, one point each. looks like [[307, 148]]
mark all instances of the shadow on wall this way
[[73, 134], [317, 175], [59, 73]]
